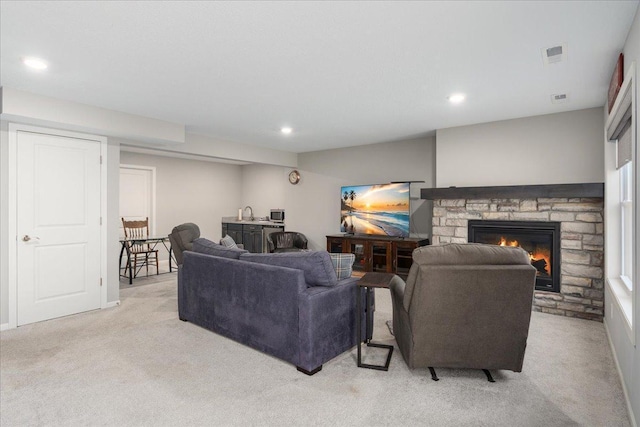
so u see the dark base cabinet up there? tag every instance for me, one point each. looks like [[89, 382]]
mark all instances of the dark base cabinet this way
[[233, 230], [251, 236], [377, 253]]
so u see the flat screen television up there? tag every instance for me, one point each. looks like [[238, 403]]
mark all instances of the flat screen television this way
[[381, 209]]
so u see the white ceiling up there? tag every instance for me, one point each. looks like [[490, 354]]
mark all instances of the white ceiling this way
[[339, 73]]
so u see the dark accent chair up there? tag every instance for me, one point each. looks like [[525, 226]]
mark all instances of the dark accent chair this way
[[464, 306], [286, 241], [181, 238]]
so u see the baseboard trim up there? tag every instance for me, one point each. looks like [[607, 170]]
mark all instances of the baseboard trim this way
[[4, 326], [632, 417]]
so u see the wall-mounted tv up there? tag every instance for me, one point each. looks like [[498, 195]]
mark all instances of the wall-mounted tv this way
[[381, 209]]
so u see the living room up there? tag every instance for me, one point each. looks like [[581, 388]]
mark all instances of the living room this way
[[204, 178]]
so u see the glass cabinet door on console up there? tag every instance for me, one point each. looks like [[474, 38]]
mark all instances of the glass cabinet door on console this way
[[361, 250], [335, 245], [402, 259], [380, 257]]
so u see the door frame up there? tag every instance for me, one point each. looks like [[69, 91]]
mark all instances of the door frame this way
[[12, 266], [152, 169]]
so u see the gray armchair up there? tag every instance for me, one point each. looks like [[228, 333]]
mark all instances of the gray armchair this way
[[181, 238], [464, 306], [287, 241]]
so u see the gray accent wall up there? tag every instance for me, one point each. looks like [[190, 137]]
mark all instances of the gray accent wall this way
[[313, 205], [560, 148]]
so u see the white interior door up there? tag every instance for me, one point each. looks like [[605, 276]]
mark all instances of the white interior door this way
[[137, 194], [58, 226]]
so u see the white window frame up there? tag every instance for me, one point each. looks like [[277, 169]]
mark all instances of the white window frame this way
[[626, 225], [623, 288]]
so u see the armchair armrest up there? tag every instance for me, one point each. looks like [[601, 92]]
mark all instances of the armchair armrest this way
[[397, 287], [301, 241]]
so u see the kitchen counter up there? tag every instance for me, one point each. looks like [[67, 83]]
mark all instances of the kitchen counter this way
[[247, 221]]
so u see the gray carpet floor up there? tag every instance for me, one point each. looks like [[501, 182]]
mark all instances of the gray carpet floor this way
[[138, 365]]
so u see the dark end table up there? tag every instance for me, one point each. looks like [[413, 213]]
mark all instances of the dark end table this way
[[370, 281]]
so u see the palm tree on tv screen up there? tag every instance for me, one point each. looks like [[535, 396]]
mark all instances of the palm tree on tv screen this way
[[352, 196]]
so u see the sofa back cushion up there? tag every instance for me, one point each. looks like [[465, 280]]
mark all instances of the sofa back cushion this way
[[206, 246], [317, 267]]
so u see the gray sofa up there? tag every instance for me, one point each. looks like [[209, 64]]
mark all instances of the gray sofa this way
[[464, 306], [291, 306]]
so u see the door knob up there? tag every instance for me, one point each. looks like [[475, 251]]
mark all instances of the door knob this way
[[28, 238]]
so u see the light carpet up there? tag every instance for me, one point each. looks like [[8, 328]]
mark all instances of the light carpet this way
[[138, 365]]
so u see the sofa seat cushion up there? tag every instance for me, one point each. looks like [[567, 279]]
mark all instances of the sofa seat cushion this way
[[316, 265], [206, 246]]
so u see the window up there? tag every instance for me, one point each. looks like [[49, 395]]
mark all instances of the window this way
[[621, 162], [626, 222]]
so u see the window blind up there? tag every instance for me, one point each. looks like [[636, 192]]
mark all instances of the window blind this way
[[619, 128], [623, 146]]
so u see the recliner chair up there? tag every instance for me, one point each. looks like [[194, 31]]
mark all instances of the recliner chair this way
[[181, 238], [287, 241], [464, 306]]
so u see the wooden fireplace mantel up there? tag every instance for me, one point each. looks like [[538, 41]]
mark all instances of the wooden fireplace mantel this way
[[595, 189]]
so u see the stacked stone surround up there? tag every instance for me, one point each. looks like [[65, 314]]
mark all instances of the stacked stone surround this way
[[582, 244]]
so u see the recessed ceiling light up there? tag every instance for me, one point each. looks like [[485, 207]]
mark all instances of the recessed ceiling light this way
[[286, 130], [35, 63], [456, 98]]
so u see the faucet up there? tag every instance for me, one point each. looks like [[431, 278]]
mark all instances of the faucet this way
[[251, 218]]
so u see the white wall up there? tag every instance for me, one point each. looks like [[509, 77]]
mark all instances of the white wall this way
[[4, 224], [195, 191], [558, 148], [627, 355], [113, 219], [313, 205]]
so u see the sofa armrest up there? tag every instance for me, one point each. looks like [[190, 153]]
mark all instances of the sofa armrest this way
[[327, 322]]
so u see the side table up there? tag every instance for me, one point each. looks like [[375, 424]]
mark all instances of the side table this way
[[370, 281]]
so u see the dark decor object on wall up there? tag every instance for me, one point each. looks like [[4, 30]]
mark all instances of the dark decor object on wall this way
[[616, 81]]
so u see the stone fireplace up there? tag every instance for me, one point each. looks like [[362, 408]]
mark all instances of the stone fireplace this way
[[578, 291]]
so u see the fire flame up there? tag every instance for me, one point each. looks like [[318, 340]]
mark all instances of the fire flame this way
[[536, 255], [503, 242]]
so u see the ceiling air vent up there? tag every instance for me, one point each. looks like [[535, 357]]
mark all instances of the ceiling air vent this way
[[559, 98], [554, 54]]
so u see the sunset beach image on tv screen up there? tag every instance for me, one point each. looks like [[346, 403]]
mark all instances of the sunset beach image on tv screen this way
[[375, 209]]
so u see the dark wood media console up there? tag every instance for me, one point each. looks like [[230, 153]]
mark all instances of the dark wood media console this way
[[377, 253]]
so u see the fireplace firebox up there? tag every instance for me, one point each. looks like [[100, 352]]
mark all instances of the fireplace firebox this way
[[540, 239]]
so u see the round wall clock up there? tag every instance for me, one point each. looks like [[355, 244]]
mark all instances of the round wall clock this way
[[294, 177]]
